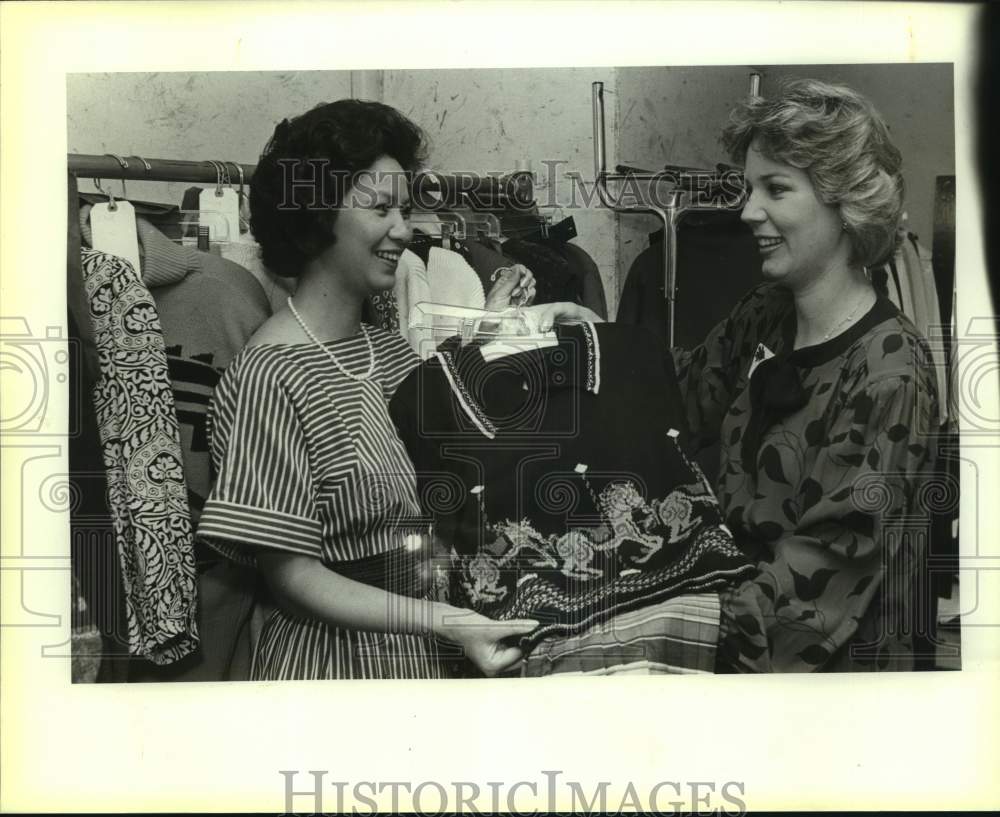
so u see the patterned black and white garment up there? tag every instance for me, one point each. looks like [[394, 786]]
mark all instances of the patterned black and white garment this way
[[307, 462], [558, 477], [140, 438]]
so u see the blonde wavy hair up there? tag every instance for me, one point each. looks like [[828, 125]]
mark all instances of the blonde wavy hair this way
[[838, 137]]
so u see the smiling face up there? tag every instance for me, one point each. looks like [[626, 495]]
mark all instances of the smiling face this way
[[372, 229], [798, 236]]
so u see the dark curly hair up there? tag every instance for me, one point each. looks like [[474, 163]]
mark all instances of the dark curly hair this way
[[838, 137], [322, 151]]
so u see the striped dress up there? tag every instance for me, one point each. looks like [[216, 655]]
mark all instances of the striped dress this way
[[307, 461]]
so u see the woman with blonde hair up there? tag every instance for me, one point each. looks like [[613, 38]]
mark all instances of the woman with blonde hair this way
[[821, 395]]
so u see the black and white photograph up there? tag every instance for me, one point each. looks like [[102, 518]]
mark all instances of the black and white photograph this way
[[441, 393], [443, 403]]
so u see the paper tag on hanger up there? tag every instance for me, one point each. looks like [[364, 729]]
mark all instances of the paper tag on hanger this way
[[225, 202], [114, 231]]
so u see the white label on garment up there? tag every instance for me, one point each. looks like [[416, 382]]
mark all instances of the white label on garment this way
[[761, 354], [505, 347], [114, 232], [227, 203]]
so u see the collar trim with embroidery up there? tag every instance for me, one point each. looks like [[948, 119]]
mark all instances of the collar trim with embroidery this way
[[476, 413], [469, 406], [593, 358]]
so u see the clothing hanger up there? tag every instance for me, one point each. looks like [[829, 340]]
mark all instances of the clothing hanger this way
[[483, 225], [112, 206], [450, 225], [195, 222], [113, 225], [208, 228], [468, 322], [244, 202], [504, 333]]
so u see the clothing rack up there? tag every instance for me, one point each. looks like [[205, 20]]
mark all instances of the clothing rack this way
[[137, 168], [670, 205], [489, 191]]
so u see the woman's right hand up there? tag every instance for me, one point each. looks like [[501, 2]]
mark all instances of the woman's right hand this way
[[516, 286], [546, 315], [482, 638]]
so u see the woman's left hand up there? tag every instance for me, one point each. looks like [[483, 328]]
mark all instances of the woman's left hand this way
[[515, 287]]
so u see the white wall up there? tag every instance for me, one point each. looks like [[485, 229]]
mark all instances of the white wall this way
[[223, 115], [496, 119]]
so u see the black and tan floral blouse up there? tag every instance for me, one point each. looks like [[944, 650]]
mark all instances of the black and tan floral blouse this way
[[827, 459]]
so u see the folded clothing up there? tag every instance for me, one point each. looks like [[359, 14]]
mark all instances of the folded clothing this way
[[558, 477]]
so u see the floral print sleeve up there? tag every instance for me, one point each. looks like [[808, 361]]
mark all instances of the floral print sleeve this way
[[831, 512]]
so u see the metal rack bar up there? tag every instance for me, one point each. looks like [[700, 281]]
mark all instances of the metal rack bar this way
[[677, 202], [152, 170]]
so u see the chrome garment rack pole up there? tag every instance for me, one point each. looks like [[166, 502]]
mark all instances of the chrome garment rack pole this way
[[670, 214], [153, 170], [677, 203], [516, 187]]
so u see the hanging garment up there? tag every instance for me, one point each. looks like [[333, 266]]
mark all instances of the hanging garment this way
[[381, 310], [557, 477], [208, 308], [93, 550], [592, 287], [421, 244], [717, 262], [245, 251], [167, 218], [915, 264], [484, 259], [883, 278], [142, 460], [555, 278], [93, 547], [446, 278], [86, 644]]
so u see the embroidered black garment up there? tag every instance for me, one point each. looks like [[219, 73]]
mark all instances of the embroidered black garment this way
[[557, 478]]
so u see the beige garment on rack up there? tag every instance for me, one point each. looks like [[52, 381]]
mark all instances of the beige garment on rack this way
[[245, 251], [446, 279]]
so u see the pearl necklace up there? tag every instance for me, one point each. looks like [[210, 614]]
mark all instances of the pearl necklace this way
[[845, 321], [329, 354]]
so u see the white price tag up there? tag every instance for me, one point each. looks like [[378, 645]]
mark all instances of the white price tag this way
[[227, 203], [114, 231]]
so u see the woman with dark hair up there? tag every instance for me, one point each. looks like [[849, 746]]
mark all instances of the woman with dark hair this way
[[312, 483], [821, 394]]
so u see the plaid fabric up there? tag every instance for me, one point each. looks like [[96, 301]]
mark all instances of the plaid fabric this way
[[674, 637]]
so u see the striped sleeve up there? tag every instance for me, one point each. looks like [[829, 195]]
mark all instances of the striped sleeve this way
[[263, 493]]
